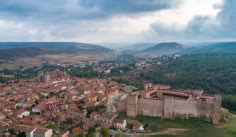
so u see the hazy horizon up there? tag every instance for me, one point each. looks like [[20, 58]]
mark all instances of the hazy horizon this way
[[123, 45]]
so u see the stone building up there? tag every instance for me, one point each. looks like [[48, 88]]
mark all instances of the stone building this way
[[34, 131], [44, 78], [161, 101], [119, 123]]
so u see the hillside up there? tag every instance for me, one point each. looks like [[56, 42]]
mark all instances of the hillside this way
[[27, 53], [213, 73], [216, 48], [165, 46], [162, 49], [9, 54], [13, 50]]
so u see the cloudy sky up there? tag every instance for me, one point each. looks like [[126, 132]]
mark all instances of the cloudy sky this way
[[117, 21]]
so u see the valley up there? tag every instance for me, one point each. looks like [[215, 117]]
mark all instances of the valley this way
[[196, 70], [117, 68]]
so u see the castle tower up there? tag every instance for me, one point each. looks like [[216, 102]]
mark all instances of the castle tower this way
[[40, 77], [216, 109], [43, 78], [47, 78], [132, 105]]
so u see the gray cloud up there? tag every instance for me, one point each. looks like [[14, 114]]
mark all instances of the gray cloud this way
[[226, 27], [227, 18], [204, 27], [74, 19], [77, 9], [70, 20], [128, 6]]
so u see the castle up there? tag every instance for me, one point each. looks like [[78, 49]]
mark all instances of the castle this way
[[160, 100]]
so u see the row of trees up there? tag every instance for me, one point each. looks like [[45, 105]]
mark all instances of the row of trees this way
[[18, 73]]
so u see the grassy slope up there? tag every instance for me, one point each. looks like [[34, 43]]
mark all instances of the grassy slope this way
[[229, 130], [29, 54], [199, 128], [157, 124], [54, 59]]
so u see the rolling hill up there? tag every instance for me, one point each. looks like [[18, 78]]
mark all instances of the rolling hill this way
[[213, 48], [13, 50], [35, 53], [202, 48], [162, 49]]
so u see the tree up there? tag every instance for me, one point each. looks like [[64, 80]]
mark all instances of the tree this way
[[80, 135], [117, 135], [91, 131], [90, 134], [105, 132], [229, 102], [68, 120], [21, 134]]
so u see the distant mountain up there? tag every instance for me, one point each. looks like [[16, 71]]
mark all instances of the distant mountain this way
[[11, 50], [214, 47], [167, 46], [162, 49], [140, 46]]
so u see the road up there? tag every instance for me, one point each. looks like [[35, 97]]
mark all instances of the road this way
[[168, 131]]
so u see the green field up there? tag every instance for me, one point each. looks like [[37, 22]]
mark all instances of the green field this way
[[156, 124], [198, 127], [228, 130]]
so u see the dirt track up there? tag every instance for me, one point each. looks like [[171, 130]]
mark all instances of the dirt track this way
[[168, 131]]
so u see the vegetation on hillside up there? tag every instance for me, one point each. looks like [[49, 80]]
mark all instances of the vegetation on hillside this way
[[21, 73], [229, 101], [15, 50], [18, 74], [165, 47], [212, 48], [213, 73]]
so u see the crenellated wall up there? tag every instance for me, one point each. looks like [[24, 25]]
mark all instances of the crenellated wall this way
[[171, 107]]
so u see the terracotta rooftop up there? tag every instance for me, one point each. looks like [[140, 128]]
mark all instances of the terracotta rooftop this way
[[120, 121], [77, 130]]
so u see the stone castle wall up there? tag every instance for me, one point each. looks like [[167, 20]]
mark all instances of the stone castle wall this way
[[122, 106], [180, 108], [132, 105], [150, 107], [171, 107]]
